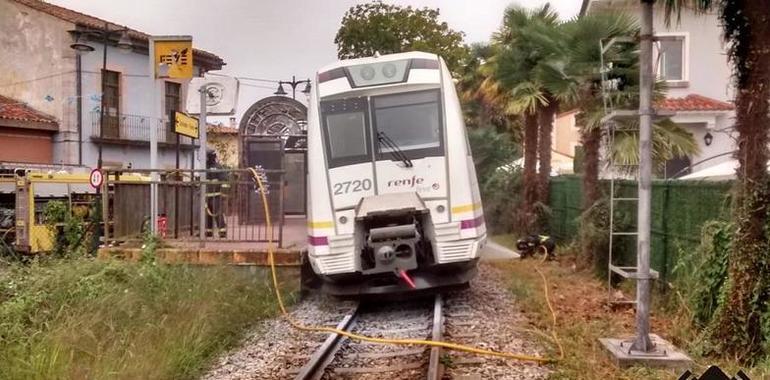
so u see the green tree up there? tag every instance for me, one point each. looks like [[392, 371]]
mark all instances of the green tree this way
[[621, 76], [737, 328], [528, 45], [385, 28], [481, 97]]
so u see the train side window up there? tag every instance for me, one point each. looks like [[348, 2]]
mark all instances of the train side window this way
[[346, 131]]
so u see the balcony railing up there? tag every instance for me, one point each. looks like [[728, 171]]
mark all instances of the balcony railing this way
[[134, 129]]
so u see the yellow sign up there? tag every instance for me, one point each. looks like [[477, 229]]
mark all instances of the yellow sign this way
[[185, 125], [174, 59]]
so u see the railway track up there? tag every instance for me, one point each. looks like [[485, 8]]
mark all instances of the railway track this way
[[483, 316], [341, 358]]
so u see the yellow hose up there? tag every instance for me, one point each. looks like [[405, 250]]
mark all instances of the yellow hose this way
[[331, 330]]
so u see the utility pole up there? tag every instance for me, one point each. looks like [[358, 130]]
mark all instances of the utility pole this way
[[645, 348], [106, 35], [642, 341], [153, 141], [202, 158]]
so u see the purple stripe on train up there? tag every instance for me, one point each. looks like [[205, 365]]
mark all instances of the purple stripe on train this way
[[317, 240], [472, 223]]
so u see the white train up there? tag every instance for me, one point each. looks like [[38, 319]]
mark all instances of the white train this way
[[393, 199]]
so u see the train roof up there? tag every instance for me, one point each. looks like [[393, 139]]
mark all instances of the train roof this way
[[364, 75], [382, 58]]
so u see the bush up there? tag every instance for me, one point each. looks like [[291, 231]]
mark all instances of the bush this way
[[70, 229], [501, 192], [701, 273], [499, 182], [86, 318]]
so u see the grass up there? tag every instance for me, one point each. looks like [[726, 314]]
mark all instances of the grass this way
[[84, 318], [579, 299]]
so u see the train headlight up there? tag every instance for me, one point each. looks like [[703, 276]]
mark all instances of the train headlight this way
[[440, 209], [367, 72], [389, 70], [378, 73], [343, 219]]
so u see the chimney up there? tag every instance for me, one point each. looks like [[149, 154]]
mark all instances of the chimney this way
[[232, 123]]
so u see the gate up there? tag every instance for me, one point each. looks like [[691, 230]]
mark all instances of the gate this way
[[233, 207], [281, 120]]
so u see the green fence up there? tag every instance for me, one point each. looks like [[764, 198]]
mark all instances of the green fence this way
[[679, 209]]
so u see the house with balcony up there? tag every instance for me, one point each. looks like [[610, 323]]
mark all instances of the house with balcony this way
[[53, 65], [691, 58]]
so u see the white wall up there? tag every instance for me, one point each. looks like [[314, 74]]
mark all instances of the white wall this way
[[136, 99], [708, 73]]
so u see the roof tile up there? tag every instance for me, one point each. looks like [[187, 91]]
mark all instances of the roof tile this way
[[12, 109], [78, 18], [694, 102]]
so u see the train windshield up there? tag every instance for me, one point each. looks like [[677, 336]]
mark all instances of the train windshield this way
[[347, 136], [346, 130], [411, 120]]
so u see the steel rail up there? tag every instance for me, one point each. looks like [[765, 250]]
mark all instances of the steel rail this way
[[435, 368], [324, 355]]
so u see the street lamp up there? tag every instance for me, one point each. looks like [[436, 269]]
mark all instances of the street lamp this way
[[294, 83], [124, 45]]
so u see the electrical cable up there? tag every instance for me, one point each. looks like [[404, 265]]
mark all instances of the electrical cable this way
[[331, 330]]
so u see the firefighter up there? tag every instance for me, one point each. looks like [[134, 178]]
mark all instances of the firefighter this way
[[533, 244]]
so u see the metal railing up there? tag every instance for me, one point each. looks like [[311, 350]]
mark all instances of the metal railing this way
[[233, 208], [133, 128]]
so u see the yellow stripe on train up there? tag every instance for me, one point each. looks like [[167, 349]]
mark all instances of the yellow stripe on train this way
[[321, 224], [466, 208]]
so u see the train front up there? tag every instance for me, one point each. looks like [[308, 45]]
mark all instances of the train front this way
[[393, 200]]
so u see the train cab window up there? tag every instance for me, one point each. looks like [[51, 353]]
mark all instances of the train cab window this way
[[411, 120], [346, 131]]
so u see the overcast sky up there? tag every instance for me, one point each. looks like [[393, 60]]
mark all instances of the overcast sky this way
[[275, 39]]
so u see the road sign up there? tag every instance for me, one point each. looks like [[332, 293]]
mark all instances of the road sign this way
[[96, 178], [186, 125], [174, 56], [221, 95]]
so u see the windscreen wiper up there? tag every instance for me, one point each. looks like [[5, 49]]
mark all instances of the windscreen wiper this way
[[394, 149]]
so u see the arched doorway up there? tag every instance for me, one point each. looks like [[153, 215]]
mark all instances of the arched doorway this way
[[273, 135]]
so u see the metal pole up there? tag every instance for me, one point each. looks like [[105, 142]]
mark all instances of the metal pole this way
[[105, 34], [202, 158], [79, 93], [153, 141], [642, 341], [293, 87], [176, 186]]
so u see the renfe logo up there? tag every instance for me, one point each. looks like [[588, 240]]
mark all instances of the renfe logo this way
[[411, 182]]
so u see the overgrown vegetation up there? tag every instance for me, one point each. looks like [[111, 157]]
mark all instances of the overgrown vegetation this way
[[579, 299], [76, 317], [499, 180], [701, 273], [73, 229]]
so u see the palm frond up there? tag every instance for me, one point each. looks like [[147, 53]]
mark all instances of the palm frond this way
[[669, 140], [526, 97]]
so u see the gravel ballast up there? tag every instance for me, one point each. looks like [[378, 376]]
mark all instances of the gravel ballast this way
[[485, 316]]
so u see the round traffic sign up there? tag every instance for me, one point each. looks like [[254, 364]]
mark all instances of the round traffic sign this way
[[96, 178]]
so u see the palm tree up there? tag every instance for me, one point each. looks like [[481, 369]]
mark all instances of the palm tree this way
[[584, 91], [527, 41], [584, 65], [736, 328]]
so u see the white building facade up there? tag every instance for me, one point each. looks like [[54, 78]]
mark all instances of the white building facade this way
[[40, 68], [691, 58]]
